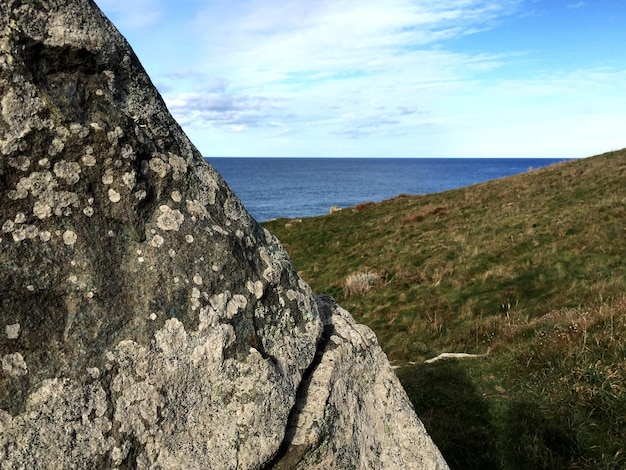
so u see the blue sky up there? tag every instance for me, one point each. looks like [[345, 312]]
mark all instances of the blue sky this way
[[393, 78]]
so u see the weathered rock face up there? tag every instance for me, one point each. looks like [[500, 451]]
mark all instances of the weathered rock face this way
[[147, 321], [352, 411]]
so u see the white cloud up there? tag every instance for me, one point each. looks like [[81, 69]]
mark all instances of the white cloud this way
[[223, 110], [347, 77], [270, 41], [573, 6]]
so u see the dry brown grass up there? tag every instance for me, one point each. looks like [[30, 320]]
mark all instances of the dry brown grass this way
[[360, 283]]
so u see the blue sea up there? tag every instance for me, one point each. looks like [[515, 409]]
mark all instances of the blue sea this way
[[302, 187]]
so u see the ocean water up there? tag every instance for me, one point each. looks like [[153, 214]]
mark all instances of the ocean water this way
[[303, 187]]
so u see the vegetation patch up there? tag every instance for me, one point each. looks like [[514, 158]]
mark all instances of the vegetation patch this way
[[528, 270], [360, 283]]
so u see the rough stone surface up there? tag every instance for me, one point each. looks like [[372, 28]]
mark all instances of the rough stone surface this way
[[147, 321], [351, 411]]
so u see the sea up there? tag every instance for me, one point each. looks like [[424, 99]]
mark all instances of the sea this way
[[271, 188]]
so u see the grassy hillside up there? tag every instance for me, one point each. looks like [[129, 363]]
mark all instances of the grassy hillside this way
[[529, 271]]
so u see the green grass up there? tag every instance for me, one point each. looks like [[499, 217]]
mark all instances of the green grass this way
[[529, 269]]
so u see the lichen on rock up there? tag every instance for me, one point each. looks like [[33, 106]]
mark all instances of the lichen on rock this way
[[146, 320]]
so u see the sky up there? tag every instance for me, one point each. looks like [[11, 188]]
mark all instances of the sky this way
[[392, 78]]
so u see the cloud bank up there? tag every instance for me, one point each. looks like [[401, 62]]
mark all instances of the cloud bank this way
[[351, 78]]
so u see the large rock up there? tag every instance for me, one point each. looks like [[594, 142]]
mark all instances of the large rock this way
[[147, 321]]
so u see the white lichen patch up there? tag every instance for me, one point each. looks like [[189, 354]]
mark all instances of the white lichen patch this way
[[44, 163], [61, 202], [233, 209], [238, 302], [56, 146], [157, 241], [45, 236], [189, 238], [31, 231], [77, 128], [176, 196], [42, 210], [114, 196], [129, 179], [141, 194], [12, 331], [69, 171], [107, 178], [195, 298], [170, 219], [172, 253], [8, 226], [14, 365], [178, 165], [196, 209], [38, 183], [89, 160], [69, 237], [88, 211], [227, 307], [197, 279], [127, 152], [158, 166], [114, 135], [24, 232], [20, 162], [17, 106], [255, 288], [209, 185], [172, 338], [303, 285]]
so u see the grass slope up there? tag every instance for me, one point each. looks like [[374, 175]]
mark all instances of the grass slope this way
[[529, 270]]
